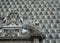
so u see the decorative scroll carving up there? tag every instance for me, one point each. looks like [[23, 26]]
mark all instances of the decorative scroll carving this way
[[13, 18]]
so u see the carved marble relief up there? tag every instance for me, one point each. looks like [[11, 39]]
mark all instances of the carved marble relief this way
[[15, 26], [13, 18]]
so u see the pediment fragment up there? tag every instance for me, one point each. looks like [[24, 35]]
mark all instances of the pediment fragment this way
[[16, 27]]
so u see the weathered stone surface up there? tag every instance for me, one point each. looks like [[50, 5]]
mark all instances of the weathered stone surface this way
[[43, 14]]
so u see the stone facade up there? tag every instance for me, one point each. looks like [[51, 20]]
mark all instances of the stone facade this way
[[18, 17]]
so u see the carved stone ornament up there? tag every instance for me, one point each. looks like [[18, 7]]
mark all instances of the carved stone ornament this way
[[14, 26]]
